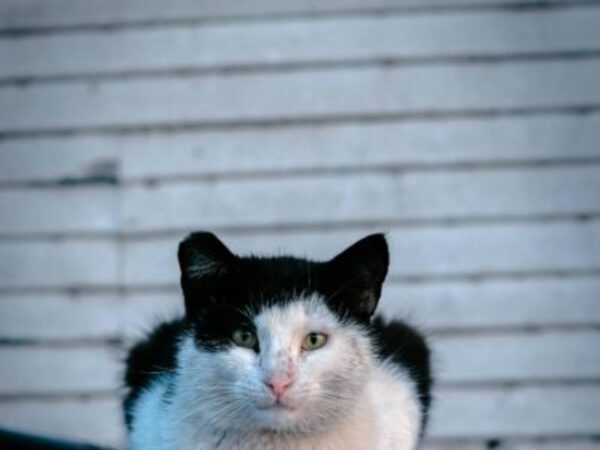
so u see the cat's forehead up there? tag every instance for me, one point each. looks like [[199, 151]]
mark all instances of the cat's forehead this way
[[262, 282], [304, 310], [277, 273]]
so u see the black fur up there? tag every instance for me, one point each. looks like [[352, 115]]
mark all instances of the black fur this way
[[405, 346], [223, 291], [149, 359]]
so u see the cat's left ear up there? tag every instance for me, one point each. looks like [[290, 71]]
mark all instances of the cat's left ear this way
[[355, 276]]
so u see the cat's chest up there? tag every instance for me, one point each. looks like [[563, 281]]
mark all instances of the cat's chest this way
[[347, 440]]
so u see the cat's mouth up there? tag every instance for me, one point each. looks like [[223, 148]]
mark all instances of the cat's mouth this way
[[277, 406]]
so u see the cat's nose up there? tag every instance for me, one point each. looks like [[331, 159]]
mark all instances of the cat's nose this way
[[279, 384]]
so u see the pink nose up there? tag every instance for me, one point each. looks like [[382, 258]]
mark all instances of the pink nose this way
[[278, 384]]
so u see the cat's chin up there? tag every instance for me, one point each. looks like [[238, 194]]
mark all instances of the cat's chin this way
[[293, 420]]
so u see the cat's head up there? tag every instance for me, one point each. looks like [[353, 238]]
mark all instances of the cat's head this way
[[277, 343]]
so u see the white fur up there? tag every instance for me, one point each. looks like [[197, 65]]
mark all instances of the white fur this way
[[341, 396]]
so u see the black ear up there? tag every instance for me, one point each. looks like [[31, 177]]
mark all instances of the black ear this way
[[204, 261], [356, 275], [202, 254]]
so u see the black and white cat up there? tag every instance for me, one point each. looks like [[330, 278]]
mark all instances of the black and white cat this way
[[278, 353]]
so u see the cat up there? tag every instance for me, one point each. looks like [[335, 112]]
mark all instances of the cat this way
[[278, 353]]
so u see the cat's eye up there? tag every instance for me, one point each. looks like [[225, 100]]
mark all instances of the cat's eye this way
[[314, 341], [244, 338]]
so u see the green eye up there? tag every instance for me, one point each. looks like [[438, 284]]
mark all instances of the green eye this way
[[244, 338], [314, 341]]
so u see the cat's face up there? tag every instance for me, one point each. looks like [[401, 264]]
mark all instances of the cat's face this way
[[277, 344], [286, 382]]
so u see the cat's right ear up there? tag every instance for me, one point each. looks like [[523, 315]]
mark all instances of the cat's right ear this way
[[202, 255], [204, 261]]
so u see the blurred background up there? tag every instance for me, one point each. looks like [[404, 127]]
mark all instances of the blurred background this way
[[468, 130]]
